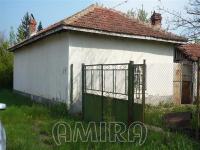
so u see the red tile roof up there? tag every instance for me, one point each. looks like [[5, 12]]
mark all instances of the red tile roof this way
[[191, 50], [108, 20]]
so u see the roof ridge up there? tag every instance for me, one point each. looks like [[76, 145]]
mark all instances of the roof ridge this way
[[76, 16], [81, 13], [85, 19]]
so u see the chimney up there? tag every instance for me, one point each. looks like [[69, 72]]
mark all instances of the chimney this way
[[156, 20], [32, 25]]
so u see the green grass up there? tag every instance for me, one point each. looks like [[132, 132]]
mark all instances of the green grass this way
[[28, 127], [154, 114]]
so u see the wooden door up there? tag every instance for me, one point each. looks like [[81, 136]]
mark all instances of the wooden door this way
[[186, 92]]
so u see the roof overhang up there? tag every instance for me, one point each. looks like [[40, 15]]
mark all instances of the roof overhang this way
[[71, 28], [121, 35], [35, 38]]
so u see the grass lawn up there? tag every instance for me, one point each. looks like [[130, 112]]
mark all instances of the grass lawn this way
[[29, 125], [153, 114]]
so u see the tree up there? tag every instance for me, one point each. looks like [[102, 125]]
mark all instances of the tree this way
[[140, 14], [40, 26], [23, 29], [189, 23], [12, 37], [6, 64], [131, 13]]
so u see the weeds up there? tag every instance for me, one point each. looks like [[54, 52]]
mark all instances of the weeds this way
[[28, 126]]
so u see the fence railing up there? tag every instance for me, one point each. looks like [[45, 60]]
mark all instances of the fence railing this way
[[125, 81], [107, 80]]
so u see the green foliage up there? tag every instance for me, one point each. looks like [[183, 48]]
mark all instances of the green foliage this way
[[154, 114], [140, 14], [131, 12], [6, 64], [20, 34], [29, 126], [197, 40], [23, 29], [40, 26], [12, 37]]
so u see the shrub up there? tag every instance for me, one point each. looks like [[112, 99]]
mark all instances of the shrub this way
[[6, 65]]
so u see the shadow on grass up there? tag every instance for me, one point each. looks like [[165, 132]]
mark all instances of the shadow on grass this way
[[11, 98]]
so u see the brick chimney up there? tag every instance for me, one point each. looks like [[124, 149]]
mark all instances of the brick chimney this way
[[156, 20], [32, 25]]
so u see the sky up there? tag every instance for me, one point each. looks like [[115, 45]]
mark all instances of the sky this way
[[51, 11]]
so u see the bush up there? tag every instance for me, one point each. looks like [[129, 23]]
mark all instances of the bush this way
[[6, 66]]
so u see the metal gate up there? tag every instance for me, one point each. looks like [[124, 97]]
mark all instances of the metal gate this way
[[113, 92]]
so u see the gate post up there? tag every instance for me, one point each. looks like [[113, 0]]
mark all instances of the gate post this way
[[102, 92], [143, 89], [83, 90], [71, 84], [197, 105], [130, 91]]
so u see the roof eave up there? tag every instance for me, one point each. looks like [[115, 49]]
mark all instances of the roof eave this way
[[71, 28], [35, 38], [123, 35]]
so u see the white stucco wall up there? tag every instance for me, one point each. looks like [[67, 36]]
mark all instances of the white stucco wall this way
[[41, 68], [94, 49]]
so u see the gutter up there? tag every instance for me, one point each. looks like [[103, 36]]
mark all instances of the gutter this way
[[35, 38], [70, 28], [121, 35]]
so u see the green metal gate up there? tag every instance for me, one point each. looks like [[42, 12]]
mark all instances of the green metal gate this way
[[113, 92]]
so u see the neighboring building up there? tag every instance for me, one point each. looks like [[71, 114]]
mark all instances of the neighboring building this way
[[185, 79], [94, 35]]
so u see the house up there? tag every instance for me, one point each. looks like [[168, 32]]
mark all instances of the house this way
[[94, 35], [185, 74]]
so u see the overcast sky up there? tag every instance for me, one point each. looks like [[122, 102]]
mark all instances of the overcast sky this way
[[51, 11]]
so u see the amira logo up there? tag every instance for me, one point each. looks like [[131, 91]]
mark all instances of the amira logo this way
[[63, 132]]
